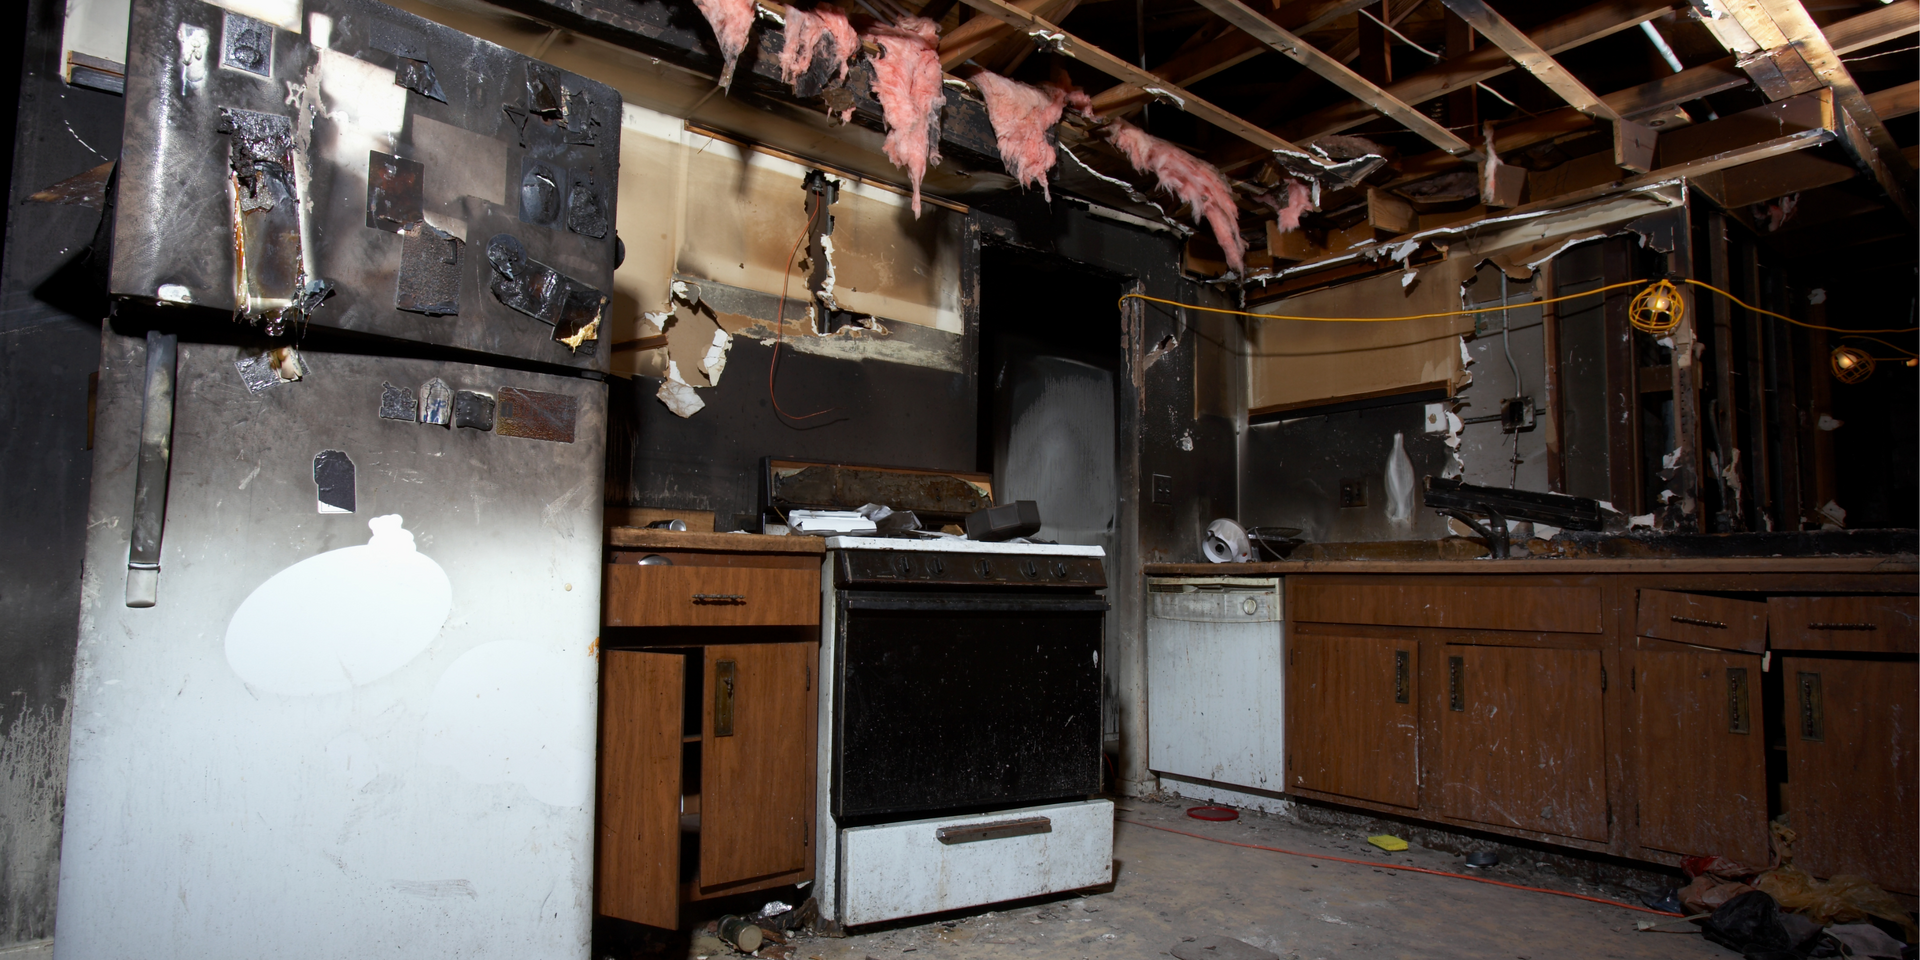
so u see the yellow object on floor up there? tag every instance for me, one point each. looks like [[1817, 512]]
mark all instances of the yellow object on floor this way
[[1387, 843]]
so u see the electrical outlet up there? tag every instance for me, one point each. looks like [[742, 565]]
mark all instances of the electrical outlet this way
[[1436, 421], [1353, 491], [1516, 415], [1162, 488]]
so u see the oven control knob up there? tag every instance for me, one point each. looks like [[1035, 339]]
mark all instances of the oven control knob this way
[[935, 567], [1031, 568], [905, 565], [1059, 569], [985, 568]]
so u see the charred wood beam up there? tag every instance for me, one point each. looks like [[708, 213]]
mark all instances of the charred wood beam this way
[[977, 36], [1298, 50], [1093, 56]]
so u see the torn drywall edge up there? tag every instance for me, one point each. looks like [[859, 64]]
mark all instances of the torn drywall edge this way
[[825, 293], [750, 313], [678, 395], [1133, 193], [716, 359]]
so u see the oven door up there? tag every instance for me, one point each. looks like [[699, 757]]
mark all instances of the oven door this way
[[964, 701]]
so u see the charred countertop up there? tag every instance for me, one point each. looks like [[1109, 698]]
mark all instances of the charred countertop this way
[[648, 538], [1895, 564]]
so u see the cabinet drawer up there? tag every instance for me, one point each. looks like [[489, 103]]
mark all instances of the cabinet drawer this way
[[640, 595], [1883, 624], [1545, 608], [926, 866], [1703, 620]]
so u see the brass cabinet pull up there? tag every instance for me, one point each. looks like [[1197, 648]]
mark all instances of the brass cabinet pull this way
[[1694, 621], [735, 599]]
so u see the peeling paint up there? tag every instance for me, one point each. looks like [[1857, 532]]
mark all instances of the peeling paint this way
[[33, 780]]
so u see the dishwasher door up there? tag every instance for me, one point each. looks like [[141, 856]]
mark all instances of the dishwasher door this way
[[1215, 681]]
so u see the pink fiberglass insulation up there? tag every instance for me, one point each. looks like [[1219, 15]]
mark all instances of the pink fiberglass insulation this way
[[731, 21], [805, 30], [1022, 116], [906, 81], [1299, 201], [1195, 181]]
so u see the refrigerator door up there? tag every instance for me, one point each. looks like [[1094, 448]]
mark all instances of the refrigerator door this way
[[359, 718], [353, 166]]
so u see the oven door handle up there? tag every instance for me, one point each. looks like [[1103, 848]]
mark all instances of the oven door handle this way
[[983, 603]]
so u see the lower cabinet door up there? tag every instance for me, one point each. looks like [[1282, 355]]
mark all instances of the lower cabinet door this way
[[639, 803], [1522, 739], [756, 818], [1701, 767], [1353, 717], [1851, 772]]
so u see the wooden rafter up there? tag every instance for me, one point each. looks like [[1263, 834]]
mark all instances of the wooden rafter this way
[[980, 34], [1068, 44], [1531, 57], [1271, 34]]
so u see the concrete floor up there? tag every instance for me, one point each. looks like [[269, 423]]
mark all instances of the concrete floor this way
[[1170, 888]]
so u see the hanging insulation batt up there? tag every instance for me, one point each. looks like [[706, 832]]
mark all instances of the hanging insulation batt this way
[[1193, 180], [806, 29], [1299, 201], [1022, 116], [731, 21], [906, 81]]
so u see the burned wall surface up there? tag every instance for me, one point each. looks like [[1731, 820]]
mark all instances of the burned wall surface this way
[[51, 302]]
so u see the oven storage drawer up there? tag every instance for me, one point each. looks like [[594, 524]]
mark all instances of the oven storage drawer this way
[[895, 870]]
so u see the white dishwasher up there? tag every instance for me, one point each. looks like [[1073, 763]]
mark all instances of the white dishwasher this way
[[1216, 688]]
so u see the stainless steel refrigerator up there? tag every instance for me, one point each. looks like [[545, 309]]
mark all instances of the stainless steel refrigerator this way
[[336, 686]]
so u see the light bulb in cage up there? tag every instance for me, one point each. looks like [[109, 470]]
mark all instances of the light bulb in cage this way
[[1851, 364], [1657, 309]]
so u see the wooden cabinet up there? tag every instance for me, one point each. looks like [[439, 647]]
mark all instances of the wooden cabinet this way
[[707, 724], [1521, 739], [1700, 747], [1852, 780], [1353, 700]]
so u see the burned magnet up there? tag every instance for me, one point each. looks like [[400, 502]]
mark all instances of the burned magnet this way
[[246, 44], [193, 57], [394, 191], [429, 271], [525, 284], [436, 403], [333, 481], [267, 216], [580, 121], [397, 403], [544, 96], [586, 206], [417, 75], [472, 410], [580, 318], [541, 186], [535, 415], [274, 367]]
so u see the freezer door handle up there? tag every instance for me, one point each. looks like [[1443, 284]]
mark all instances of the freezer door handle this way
[[150, 480]]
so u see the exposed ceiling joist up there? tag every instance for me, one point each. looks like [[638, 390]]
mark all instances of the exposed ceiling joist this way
[[979, 35], [1066, 43], [1531, 57], [1271, 34], [1231, 49], [1888, 22], [1895, 101]]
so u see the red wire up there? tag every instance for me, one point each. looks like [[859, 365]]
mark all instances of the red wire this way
[[780, 315], [1394, 866]]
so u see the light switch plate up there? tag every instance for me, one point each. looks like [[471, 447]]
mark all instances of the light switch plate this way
[[1436, 421]]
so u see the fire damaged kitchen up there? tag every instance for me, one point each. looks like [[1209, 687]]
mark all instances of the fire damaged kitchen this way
[[973, 479]]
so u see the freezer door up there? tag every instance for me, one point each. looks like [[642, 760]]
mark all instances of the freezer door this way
[[356, 167], [361, 711]]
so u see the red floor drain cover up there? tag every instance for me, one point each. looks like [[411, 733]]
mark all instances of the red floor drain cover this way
[[1216, 814]]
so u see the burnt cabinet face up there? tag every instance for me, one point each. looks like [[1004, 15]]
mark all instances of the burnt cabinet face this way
[[1701, 752], [1354, 708], [1852, 780], [1522, 739]]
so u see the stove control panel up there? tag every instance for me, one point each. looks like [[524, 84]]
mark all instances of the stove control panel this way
[[906, 567]]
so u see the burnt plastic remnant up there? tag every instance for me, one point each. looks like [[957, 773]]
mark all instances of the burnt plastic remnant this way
[[436, 403], [333, 481], [586, 207], [397, 403], [580, 122], [472, 410], [271, 284], [540, 190], [539, 291], [417, 75], [545, 99], [247, 44], [581, 315], [395, 191], [535, 415], [429, 271]]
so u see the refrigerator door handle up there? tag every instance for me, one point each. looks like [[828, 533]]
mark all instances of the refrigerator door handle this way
[[150, 482]]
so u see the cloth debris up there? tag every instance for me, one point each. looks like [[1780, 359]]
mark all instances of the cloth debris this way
[[1200, 184], [1866, 940], [811, 33], [906, 81], [1708, 893], [731, 21], [1022, 117], [1841, 899]]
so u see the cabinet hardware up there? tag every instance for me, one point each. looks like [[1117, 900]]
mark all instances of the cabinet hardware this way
[[723, 698], [1813, 720], [1739, 718], [1400, 677], [997, 830], [1603, 678], [1843, 626], [736, 599], [1697, 622], [1455, 699]]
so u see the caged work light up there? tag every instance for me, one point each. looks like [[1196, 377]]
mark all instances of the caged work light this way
[[1851, 364], [1657, 309]]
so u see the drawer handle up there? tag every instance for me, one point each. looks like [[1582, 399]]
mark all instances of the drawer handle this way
[[1843, 626], [997, 830], [1696, 622], [1739, 717], [722, 598]]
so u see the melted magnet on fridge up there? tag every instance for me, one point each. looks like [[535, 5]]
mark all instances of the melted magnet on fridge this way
[[535, 415], [580, 318], [545, 98], [429, 271], [472, 410], [541, 186], [394, 191], [333, 481], [586, 206], [417, 75], [436, 403], [247, 44], [397, 403], [525, 284]]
